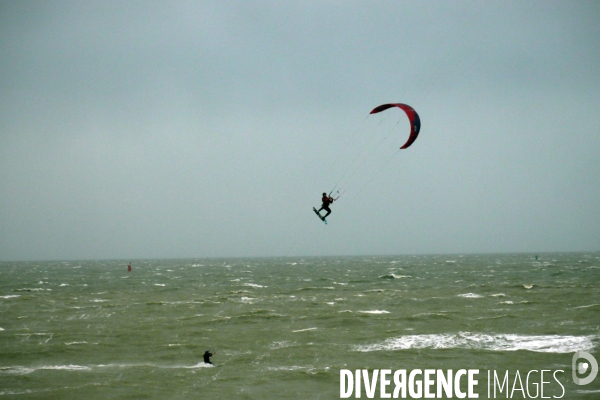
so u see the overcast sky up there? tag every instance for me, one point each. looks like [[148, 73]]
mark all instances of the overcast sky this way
[[147, 129]]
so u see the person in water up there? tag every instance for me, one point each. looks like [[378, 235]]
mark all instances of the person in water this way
[[207, 355], [327, 200]]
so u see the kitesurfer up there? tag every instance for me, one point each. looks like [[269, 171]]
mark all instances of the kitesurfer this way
[[327, 200], [207, 355]]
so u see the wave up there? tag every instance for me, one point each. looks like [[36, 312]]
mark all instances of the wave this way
[[258, 314], [394, 276], [21, 370], [496, 317], [201, 364], [304, 330], [290, 368], [489, 342], [433, 315], [375, 312], [588, 306], [470, 295], [281, 345], [254, 285], [303, 370], [25, 370]]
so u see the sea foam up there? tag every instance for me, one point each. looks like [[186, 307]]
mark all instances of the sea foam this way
[[481, 341]]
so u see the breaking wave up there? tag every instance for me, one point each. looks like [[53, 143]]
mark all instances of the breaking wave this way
[[480, 341]]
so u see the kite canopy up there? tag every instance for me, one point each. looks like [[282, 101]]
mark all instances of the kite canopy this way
[[413, 117]]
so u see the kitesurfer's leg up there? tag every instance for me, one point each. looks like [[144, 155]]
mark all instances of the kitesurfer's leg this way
[[319, 213]]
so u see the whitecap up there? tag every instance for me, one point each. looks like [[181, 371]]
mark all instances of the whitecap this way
[[280, 345], [489, 342], [291, 368], [254, 285], [201, 364], [591, 305], [304, 330], [375, 312], [17, 370], [70, 367], [470, 295], [394, 276], [317, 288], [527, 286], [10, 296]]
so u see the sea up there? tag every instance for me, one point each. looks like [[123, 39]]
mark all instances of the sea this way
[[286, 328]]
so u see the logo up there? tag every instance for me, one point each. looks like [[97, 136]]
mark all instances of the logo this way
[[582, 367]]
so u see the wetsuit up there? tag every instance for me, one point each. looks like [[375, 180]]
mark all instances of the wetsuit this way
[[207, 356], [326, 202]]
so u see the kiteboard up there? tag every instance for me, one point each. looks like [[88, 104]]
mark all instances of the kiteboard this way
[[319, 215]]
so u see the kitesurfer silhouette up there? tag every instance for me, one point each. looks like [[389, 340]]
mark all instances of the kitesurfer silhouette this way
[[327, 200], [207, 355]]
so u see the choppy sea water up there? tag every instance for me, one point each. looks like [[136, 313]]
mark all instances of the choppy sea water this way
[[283, 328]]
